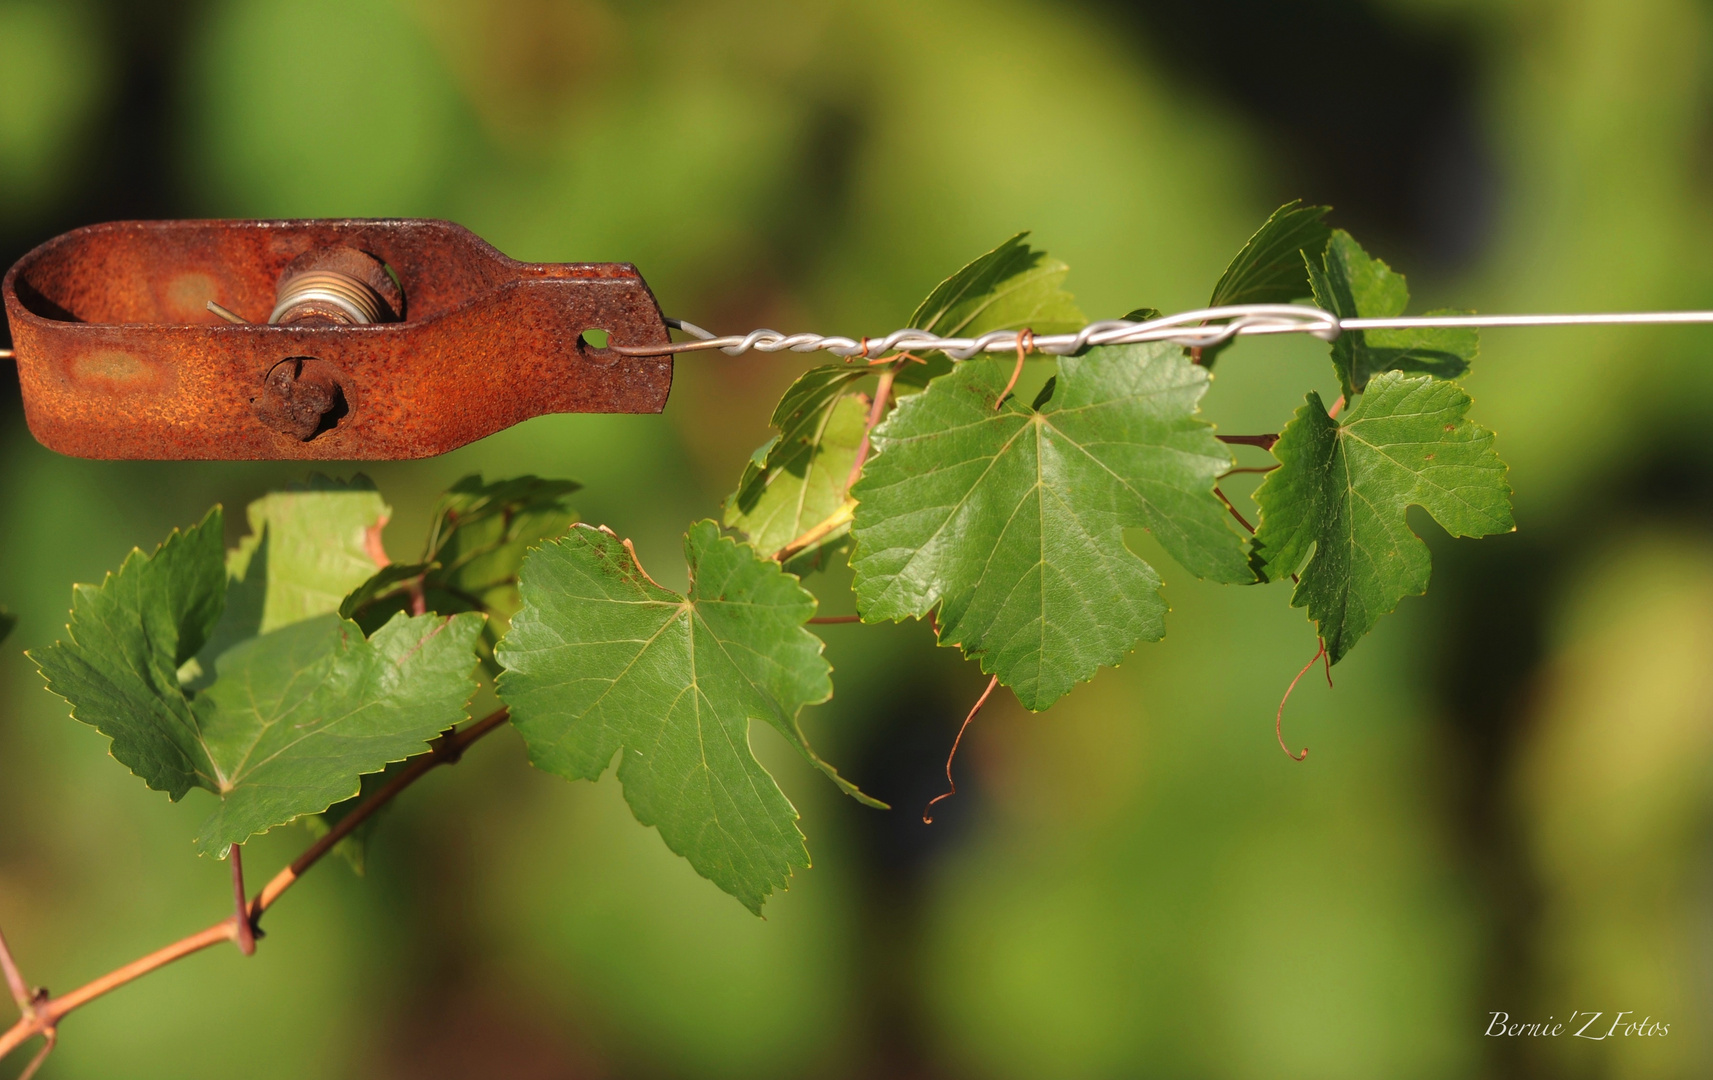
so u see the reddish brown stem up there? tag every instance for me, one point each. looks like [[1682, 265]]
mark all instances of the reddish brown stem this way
[[828, 620], [632, 549], [41, 1055], [447, 750], [1337, 407], [876, 409], [246, 938], [45, 1013], [15, 979], [1265, 442], [927, 818], [1279, 720], [1233, 509]]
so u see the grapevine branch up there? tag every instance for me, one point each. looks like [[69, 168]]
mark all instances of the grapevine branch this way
[[41, 1013]]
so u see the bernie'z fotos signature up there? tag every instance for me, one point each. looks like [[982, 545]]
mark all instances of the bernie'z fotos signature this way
[[1581, 1025]]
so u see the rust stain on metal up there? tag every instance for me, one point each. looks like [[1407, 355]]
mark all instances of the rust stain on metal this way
[[118, 357]]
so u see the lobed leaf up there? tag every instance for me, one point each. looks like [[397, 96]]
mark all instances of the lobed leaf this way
[[601, 660], [797, 480], [1350, 283], [1010, 520], [1342, 488]]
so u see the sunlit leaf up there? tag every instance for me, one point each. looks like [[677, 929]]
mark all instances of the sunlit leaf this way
[[1010, 520], [1342, 488], [602, 660], [299, 714]]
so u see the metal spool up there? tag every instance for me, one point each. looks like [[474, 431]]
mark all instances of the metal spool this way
[[320, 290], [336, 286]]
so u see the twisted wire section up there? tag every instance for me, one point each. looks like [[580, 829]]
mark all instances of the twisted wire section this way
[[1199, 328]]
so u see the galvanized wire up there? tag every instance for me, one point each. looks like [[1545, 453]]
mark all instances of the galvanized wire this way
[[1200, 328]]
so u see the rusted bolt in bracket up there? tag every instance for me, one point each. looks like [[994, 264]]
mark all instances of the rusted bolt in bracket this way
[[392, 339]]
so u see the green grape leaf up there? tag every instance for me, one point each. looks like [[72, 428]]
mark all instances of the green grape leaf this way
[[292, 718], [601, 659], [1011, 520], [1342, 488], [307, 546], [1011, 287], [299, 714], [799, 479], [128, 637], [1269, 269], [1350, 284]]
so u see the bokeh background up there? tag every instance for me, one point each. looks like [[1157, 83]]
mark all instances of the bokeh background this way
[[1508, 803]]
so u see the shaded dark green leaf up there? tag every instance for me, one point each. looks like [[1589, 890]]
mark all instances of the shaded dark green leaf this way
[[476, 542], [1270, 268], [119, 663]]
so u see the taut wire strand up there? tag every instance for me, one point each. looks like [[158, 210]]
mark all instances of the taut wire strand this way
[[1200, 328]]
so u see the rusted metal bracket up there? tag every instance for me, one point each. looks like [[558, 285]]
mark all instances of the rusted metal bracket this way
[[389, 339]]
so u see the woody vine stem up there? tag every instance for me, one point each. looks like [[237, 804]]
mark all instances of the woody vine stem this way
[[42, 1013]]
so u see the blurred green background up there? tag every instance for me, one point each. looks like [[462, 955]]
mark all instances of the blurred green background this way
[[1509, 804]]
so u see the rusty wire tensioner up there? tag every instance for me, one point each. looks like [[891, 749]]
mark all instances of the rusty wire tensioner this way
[[344, 339]]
